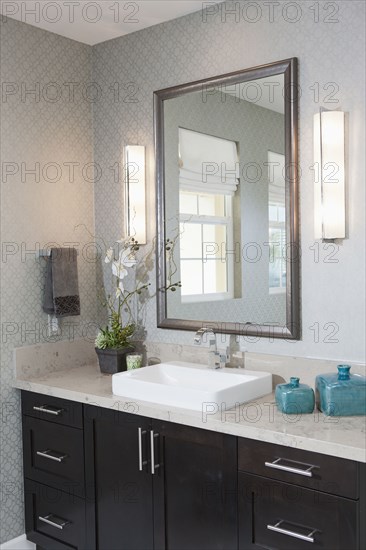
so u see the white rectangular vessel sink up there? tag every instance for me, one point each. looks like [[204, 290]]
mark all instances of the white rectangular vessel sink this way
[[191, 386]]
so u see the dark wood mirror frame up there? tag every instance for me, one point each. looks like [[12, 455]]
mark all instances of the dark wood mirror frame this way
[[292, 330]]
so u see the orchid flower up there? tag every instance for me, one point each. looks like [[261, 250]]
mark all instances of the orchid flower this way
[[125, 259], [121, 286], [121, 303], [119, 270], [109, 256]]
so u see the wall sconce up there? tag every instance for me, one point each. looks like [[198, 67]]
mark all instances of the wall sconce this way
[[135, 203], [329, 170]]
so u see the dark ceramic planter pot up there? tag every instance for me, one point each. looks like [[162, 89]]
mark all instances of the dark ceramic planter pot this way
[[113, 360]]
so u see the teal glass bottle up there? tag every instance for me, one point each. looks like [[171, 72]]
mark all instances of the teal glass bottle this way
[[295, 398], [342, 393]]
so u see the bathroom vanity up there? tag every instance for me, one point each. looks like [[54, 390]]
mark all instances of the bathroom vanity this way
[[103, 473]]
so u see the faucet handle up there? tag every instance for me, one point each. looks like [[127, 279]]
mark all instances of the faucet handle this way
[[224, 357]]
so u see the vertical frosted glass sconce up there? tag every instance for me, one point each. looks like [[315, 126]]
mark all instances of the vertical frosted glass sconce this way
[[329, 187], [135, 195]]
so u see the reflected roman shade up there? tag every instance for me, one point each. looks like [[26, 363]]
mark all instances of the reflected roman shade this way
[[207, 164], [276, 178]]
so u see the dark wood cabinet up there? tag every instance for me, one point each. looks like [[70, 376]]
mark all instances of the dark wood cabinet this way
[[54, 455], [54, 409], [103, 479], [328, 474], [289, 498], [195, 488], [55, 520], [277, 515], [56, 512], [160, 485], [118, 479]]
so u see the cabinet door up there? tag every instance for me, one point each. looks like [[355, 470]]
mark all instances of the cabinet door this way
[[53, 409], [288, 464], [195, 488], [281, 516], [54, 520], [118, 478], [54, 455]]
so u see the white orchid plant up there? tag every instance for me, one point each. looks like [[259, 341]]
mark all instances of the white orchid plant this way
[[117, 334]]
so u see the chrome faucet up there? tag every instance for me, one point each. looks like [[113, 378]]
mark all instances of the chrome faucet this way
[[216, 360]]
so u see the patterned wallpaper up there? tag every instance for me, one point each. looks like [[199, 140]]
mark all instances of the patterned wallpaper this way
[[42, 131], [330, 44]]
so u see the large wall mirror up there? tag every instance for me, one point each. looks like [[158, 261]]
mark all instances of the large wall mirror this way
[[227, 220]]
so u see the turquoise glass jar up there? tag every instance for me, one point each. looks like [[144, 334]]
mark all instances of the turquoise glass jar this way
[[342, 393], [295, 398]]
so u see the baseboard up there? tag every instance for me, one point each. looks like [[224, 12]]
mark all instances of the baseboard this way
[[20, 543]]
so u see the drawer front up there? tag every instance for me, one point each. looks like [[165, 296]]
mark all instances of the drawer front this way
[[54, 455], [53, 409], [276, 515], [53, 519], [321, 472]]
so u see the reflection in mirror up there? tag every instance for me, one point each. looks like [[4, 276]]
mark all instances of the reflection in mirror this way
[[205, 216], [225, 201], [276, 222]]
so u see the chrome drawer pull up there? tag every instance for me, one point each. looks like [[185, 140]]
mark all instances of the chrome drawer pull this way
[[48, 410], [278, 529], [142, 462], [152, 445], [59, 523], [277, 466], [51, 455]]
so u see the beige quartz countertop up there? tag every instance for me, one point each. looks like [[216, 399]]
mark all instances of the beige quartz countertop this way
[[343, 437]]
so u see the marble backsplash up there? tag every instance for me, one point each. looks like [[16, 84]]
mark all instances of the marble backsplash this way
[[45, 358], [41, 359]]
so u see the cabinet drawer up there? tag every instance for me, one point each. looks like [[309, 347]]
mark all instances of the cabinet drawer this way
[[54, 455], [54, 520], [53, 409], [316, 471], [276, 515]]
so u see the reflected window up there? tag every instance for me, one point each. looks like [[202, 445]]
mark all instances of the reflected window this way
[[277, 223], [277, 249], [208, 180], [206, 234]]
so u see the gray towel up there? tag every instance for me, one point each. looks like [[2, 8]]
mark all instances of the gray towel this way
[[61, 297]]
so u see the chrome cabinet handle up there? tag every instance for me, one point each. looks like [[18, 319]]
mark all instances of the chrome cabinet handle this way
[[308, 538], [277, 466], [51, 455], [48, 410], [154, 466], [59, 523], [142, 462]]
